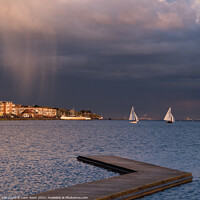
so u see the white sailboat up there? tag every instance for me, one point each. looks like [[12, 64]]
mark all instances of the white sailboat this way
[[169, 118], [133, 117]]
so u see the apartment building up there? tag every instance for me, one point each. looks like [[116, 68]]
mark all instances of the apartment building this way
[[1, 108], [39, 111], [8, 108], [45, 111]]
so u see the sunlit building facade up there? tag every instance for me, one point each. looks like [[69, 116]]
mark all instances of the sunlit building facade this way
[[7, 108]]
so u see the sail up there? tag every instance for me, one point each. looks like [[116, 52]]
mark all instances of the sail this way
[[169, 116], [173, 119], [132, 117], [136, 117]]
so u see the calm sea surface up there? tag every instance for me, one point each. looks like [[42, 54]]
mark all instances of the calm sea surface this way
[[37, 156]]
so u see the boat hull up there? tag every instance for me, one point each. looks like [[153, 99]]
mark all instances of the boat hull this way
[[133, 122], [169, 122], [75, 118]]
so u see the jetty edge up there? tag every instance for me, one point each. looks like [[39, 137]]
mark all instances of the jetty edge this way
[[137, 179]]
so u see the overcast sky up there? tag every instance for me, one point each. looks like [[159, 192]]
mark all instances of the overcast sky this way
[[103, 55]]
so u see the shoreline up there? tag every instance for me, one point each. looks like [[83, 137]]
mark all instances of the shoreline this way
[[26, 119], [44, 118]]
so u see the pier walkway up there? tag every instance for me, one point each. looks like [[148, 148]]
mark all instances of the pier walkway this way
[[136, 179]]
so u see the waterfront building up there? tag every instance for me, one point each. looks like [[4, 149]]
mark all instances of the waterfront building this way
[[38, 111], [1, 108], [28, 113], [7, 108]]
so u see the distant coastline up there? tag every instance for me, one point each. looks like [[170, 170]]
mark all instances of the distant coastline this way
[[178, 120], [27, 119], [11, 111]]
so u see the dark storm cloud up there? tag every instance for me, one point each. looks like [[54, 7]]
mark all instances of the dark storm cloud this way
[[48, 46], [137, 32]]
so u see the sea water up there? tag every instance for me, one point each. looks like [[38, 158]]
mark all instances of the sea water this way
[[37, 156]]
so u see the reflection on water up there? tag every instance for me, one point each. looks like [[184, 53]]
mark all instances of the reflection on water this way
[[37, 156]]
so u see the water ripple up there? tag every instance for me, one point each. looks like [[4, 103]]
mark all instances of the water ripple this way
[[37, 156]]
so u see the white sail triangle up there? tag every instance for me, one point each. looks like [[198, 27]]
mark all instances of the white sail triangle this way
[[173, 119], [136, 117], [132, 117]]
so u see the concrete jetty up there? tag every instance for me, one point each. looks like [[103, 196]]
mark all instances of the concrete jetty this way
[[136, 179]]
